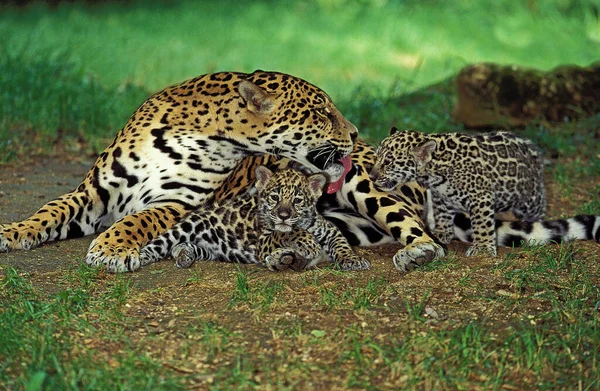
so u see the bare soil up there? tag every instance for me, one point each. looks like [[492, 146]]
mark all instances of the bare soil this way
[[165, 299]]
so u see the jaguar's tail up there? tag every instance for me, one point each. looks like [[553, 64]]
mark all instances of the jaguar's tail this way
[[583, 227], [514, 233]]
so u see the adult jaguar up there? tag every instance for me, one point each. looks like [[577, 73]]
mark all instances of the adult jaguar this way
[[181, 144], [180, 147]]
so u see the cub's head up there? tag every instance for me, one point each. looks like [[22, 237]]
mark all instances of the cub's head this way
[[400, 158], [287, 198], [292, 118]]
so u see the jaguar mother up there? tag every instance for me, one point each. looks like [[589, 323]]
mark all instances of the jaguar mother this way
[[180, 146]]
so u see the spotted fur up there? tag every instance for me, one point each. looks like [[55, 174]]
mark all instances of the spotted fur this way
[[180, 146], [176, 149], [275, 224], [480, 175]]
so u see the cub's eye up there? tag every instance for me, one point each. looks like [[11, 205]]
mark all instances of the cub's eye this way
[[298, 201], [274, 197]]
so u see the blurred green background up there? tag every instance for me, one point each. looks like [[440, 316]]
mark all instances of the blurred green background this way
[[79, 69]]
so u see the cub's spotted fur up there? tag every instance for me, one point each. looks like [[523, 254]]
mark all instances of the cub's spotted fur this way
[[474, 174], [275, 224]]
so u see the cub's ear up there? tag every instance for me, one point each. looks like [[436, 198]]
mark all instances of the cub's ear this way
[[423, 152], [316, 183], [263, 174], [257, 100], [393, 130]]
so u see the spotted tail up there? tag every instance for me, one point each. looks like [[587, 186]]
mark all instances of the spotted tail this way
[[582, 227], [514, 233]]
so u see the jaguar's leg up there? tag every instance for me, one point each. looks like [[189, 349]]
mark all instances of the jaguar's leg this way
[[118, 248], [72, 215], [444, 219], [530, 210], [482, 218], [398, 214], [337, 246]]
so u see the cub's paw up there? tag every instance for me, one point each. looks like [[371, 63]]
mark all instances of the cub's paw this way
[[417, 254], [311, 251], [184, 254], [116, 259], [445, 236], [279, 259], [354, 262], [148, 255], [481, 249]]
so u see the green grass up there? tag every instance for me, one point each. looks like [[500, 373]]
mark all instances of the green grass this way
[[75, 72], [75, 339], [46, 101], [257, 295], [73, 75], [335, 43], [47, 342]]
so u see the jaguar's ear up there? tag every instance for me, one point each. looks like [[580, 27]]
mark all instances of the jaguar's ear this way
[[423, 152], [263, 174], [316, 183], [393, 130], [257, 100]]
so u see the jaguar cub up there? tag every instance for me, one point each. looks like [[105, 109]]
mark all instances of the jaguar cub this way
[[275, 224], [476, 174]]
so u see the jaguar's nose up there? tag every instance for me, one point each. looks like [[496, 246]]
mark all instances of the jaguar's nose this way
[[284, 213], [374, 174]]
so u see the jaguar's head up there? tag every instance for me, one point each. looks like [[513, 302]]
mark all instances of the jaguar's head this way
[[287, 199], [297, 120], [400, 158]]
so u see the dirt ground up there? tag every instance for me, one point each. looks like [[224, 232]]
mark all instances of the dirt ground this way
[[460, 292], [26, 186]]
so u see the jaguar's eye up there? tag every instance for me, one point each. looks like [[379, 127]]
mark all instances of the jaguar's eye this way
[[274, 197], [321, 113], [298, 201]]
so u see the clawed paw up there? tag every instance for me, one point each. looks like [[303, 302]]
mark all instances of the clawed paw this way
[[279, 259], [417, 254], [115, 259], [481, 250], [354, 263], [19, 239], [308, 250]]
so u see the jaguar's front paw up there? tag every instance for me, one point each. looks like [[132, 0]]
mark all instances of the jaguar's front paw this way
[[417, 254], [354, 263], [116, 259], [481, 249], [13, 237]]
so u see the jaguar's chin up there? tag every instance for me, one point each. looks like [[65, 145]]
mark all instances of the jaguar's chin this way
[[283, 228], [332, 163]]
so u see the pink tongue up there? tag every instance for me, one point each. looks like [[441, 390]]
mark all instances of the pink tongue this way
[[333, 187]]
